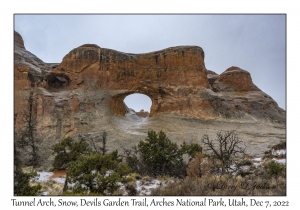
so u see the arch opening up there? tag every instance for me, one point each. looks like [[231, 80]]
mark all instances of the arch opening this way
[[139, 103]]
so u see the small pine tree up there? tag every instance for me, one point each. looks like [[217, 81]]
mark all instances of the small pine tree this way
[[97, 174], [22, 186], [163, 157], [160, 154], [68, 151]]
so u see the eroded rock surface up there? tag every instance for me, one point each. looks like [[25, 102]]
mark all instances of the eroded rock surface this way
[[84, 94]]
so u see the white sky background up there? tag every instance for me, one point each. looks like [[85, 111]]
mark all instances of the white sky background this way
[[256, 43]]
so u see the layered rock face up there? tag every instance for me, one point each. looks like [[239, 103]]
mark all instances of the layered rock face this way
[[170, 77], [84, 94]]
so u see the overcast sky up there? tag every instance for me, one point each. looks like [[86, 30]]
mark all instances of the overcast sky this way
[[256, 43]]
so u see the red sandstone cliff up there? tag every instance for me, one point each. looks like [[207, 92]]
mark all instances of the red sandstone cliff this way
[[85, 93]]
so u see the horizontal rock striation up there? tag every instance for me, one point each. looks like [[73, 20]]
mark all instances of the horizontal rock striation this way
[[170, 77]]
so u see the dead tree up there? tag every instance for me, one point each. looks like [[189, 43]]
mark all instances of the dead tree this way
[[28, 135], [104, 138], [101, 150], [224, 150]]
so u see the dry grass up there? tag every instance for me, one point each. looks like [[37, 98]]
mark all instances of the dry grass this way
[[281, 145], [134, 177], [198, 166], [131, 188], [200, 182], [224, 186], [52, 187]]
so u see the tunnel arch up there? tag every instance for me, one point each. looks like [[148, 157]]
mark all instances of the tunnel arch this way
[[138, 102], [171, 77], [119, 107]]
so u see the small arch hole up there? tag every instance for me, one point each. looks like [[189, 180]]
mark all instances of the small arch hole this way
[[139, 103]]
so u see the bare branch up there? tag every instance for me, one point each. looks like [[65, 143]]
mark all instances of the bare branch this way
[[228, 146]]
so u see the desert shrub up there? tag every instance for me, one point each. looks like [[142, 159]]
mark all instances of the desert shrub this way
[[97, 174], [52, 187], [224, 185], [225, 150], [158, 156], [91, 170], [270, 153], [190, 149], [133, 160], [131, 188], [274, 168], [281, 145], [244, 162], [198, 166], [67, 151], [22, 185]]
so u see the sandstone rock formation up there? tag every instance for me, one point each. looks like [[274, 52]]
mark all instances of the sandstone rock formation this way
[[142, 113], [84, 94]]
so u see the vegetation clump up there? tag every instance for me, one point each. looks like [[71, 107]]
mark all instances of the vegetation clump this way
[[93, 172], [22, 185], [274, 168], [225, 150], [98, 174], [22, 180], [184, 169], [158, 156]]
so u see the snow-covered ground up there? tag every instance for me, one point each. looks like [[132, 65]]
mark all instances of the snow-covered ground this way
[[282, 161], [257, 160], [143, 187], [278, 152], [47, 176], [132, 124]]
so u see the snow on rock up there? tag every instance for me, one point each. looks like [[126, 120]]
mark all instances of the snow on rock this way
[[44, 176], [245, 168], [257, 161], [279, 152], [60, 180], [282, 161], [145, 189], [44, 194], [47, 176]]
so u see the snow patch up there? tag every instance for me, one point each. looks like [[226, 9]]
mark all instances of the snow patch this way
[[282, 161], [44, 194], [245, 168], [44, 176], [279, 152], [60, 180], [145, 189]]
